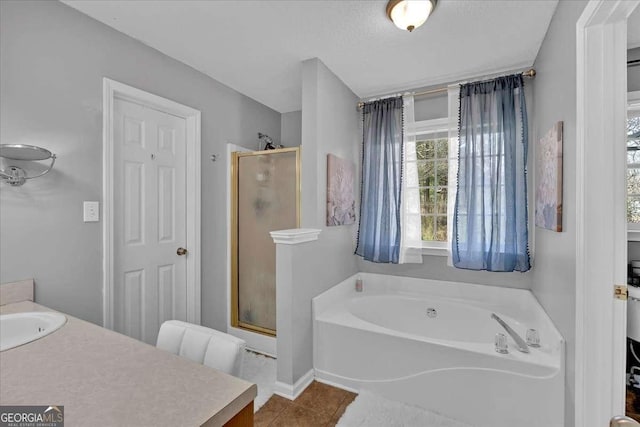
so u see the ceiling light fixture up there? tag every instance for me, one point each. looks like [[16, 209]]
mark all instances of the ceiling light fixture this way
[[410, 14]]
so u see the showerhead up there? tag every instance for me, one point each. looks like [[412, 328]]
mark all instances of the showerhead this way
[[268, 141], [265, 137]]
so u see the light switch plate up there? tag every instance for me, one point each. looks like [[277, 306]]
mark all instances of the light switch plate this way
[[91, 211]]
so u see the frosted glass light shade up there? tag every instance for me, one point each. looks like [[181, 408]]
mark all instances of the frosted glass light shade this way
[[409, 14]]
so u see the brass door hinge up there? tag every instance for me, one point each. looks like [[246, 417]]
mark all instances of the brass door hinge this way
[[620, 292]]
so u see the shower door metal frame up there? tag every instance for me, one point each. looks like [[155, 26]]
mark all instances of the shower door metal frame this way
[[235, 158]]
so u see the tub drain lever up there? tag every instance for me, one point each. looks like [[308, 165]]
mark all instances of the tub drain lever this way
[[522, 346]]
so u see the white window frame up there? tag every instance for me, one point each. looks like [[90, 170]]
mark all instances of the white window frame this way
[[633, 229], [441, 125]]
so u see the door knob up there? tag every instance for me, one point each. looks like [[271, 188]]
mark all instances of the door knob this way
[[181, 251]]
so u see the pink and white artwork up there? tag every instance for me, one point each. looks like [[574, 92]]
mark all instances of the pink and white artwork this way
[[341, 204], [549, 180]]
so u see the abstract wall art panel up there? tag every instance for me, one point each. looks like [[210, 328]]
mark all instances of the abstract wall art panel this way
[[549, 180], [341, 204]]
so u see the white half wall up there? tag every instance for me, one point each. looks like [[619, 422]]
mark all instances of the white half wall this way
[[330, 124]]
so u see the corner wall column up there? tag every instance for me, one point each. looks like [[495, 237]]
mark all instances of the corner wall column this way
[[287, 242]]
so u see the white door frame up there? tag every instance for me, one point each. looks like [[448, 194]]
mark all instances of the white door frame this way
[[112, 90], [601, 226]]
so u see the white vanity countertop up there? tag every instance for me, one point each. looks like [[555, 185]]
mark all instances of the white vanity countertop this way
[[108, 379]]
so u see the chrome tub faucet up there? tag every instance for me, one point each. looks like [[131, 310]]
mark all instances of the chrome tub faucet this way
[[522, 345]]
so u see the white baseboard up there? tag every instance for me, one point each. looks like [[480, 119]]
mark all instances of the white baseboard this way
[[291, 392], [334, 381]]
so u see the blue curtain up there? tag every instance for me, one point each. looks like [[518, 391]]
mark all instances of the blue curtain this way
[[490, 216], [379, 229]]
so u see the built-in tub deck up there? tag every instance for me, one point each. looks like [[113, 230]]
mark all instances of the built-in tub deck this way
[[424, 342]]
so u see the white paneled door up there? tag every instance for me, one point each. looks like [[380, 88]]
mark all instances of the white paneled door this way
[[149, 219]]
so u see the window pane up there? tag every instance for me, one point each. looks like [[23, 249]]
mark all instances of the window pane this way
[[442, 172], [441, 228], [633, 142], [426, 173], [443, 148], [633, 209], [633, 125], [633, 174], [425, 149], [427, 200], [633, 182], [432, 153], [441, 200], [427, 228]]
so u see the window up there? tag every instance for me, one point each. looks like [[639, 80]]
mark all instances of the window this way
[[429, 187], [633, 166], [437, 161], [431, 160]]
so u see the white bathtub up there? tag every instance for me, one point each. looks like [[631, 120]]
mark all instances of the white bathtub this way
[[382, 340]]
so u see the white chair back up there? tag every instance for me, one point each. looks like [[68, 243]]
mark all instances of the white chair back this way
[[204, 345]]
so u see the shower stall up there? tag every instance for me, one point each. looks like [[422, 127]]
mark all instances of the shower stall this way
[[265, 197]]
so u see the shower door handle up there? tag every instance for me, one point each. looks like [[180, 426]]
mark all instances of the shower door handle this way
[[181, 251]]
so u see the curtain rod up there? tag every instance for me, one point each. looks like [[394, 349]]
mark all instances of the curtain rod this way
[[633, 63], [531, 73]]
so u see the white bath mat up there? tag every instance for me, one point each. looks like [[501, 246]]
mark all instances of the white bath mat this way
[[371, 410], [261, 370]]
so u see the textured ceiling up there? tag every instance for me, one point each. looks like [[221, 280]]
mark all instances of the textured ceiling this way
[[256, 47]]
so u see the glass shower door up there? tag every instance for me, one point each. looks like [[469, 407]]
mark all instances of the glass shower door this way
[[266, 197]]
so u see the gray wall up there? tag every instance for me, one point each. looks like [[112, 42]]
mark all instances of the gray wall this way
[[52, 61], [329, 125], [291, 129], [555, 100]]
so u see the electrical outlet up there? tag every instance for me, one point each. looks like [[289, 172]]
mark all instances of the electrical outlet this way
[[91, 211]]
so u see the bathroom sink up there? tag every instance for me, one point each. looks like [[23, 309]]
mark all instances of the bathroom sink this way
[[21, 328]]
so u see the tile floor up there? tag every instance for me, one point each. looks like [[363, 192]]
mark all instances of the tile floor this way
[[319, 405], [633, 405]]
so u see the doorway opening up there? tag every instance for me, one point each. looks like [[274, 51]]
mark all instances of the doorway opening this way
[[601, 226], [632, 377]]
